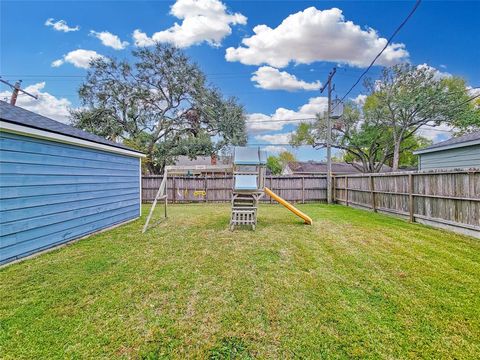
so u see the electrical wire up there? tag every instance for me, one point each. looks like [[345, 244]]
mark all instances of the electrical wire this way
[[397, 30]]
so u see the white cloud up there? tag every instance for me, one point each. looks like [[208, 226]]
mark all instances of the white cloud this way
[[437, 74], [109, 39], [360, 99], [473, 91], [57, 63], [203, 20], [437, 133], [46, 105], [79, 58], [315, 35], [60, 25], [279, 139], [275, 149], [258, 122], [272, 79], [142, 39]]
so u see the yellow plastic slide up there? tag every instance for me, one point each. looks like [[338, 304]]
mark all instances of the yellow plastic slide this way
[[305, 217]]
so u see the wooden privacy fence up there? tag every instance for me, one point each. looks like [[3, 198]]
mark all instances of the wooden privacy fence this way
[[219, 188], [449, 199]]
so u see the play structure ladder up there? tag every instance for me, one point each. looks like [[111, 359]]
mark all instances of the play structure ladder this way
[[244, 210]]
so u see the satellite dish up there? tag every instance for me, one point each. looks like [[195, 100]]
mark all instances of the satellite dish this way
[[337, 109]]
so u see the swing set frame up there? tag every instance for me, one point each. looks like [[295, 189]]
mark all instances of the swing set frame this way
[[162, 193]]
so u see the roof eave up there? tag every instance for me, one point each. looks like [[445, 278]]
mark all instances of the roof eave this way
[[16, 128], [447, 147]]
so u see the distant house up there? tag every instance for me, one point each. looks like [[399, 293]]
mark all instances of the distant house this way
[[200, 164], [316, 168], [199, 160], [457, 152]]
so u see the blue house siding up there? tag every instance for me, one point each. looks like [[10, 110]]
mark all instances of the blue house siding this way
[[51, 193], [461, 157]]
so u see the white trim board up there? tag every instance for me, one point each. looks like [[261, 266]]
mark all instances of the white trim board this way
[[42, 134], [447, 147]]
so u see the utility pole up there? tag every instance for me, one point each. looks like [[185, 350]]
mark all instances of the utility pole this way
[[328, 85], [15, 90]]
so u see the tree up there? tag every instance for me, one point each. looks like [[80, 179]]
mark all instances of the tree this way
[[274, 165], [407, 158], [285, 157], [467, 116], [407, 98], [160, 104], [366, 144]]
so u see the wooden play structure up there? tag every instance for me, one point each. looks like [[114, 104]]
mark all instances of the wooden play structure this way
[[249, 169]]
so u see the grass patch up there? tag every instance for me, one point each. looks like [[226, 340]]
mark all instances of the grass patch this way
[[353, 285]]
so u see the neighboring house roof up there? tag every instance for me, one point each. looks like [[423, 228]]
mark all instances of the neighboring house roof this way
[[20, 116], [454, 142], [320, 167], [186, 161]]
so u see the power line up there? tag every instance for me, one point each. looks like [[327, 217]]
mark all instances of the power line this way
[[16, 89], [280, 120], [249, 73], [384, 48]]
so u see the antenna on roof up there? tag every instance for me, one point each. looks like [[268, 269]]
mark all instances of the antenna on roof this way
[[15, 90]]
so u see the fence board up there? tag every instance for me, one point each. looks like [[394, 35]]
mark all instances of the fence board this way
[[443, 198], [449, 198], [181, 189]]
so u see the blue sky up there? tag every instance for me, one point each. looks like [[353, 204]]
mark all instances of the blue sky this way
[[442, 34]]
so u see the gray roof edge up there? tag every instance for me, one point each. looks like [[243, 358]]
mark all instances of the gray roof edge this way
[[447, 147], [110, 143], [27, 123]]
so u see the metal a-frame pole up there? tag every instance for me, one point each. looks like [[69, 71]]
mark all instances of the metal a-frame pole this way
[[160, 195]]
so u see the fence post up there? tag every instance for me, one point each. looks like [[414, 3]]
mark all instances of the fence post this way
[[271, 188], [174, 195], [346, 190], [372, 191], [410, 198], [205, 185], [303, 189], [334, 192]]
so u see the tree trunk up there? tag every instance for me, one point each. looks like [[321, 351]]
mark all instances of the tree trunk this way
[[396, 155]]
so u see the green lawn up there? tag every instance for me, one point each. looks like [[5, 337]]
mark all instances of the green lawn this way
[[353, 285]]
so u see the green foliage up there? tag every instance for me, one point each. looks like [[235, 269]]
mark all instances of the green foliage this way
[[303, 135], [161, 103], [407, 97], [366, 144], [285, 157], [274, 165], [409, 145], [466, 117], [383, 131]]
